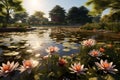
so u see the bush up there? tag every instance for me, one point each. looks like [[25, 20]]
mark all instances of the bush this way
[[19, 25], [112, 26]]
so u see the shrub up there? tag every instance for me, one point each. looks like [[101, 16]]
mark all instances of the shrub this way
[[112, 26]]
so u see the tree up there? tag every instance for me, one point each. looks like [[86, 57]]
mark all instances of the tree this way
[[112, 17], [57, 14], [21, 17], [98, 6], [39, 14], [78, 15], [7, 7], [37, 18], [73, 15]]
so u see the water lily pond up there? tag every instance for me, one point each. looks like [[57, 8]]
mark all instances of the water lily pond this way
[[17, 46]]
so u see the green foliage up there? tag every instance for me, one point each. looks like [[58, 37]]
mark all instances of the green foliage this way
[[78, 15], [7, 7], [111, 26], [23, 16], [37, 19], [98, 6], [18, 25], [57, 15], [112, 17]]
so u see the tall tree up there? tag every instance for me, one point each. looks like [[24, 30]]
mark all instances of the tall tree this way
[[9, 6], [98, 6], [57, 14], [78, 15], [73, 15]]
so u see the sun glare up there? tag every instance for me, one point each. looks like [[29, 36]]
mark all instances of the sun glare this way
[[31, 5]]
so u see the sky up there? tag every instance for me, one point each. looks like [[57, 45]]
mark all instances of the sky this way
[[46, 5]]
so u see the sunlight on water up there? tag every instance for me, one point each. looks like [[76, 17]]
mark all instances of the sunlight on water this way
[[36, 42]]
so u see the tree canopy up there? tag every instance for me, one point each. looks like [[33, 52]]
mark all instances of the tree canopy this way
[[57, 14], [98, 6], [7, 7], [78, 15], [37, 18], [21, 17]]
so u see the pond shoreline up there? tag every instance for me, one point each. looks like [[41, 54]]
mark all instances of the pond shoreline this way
[[103, 33], [16, 29]]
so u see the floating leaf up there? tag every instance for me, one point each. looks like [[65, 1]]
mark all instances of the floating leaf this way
[[66, 49], [66, 44], [73, 47], [11, 53]]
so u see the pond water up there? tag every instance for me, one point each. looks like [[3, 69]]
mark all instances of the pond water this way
[[17, 45]]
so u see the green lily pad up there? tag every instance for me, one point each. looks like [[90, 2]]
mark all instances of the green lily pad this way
[[11, 53], [74, 47], [100, 43], [12, 47], [66, 49], [66, 44], [74, 39]]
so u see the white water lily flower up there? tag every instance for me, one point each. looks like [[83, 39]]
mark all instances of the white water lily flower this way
[[89, 42], [95, 53], [77, 68], [28, 65], [52, 49], [106, 67], [5, 69]]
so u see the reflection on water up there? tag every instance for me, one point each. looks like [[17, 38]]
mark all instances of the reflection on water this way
[[35, 42]]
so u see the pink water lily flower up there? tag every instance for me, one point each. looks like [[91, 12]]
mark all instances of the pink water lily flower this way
[[77, 68], [95, 53], [52, 49], [5, 69], [62, 62], [89, 42], [106, 67], [28, 65]]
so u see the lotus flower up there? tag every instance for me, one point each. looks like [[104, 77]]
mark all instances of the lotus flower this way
[[106, 67], [95, 53], [77, 68], [52, 49], [28, 65], [5, 69], [89, 42], [62, 61]]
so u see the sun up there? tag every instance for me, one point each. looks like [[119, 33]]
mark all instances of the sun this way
[[31, 5], [34, 3]]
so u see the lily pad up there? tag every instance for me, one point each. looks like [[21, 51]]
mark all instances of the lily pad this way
[[66, 49], [22, 47], [29, 51], [74, 39], [101, 43], [74, 47], [12, 47], [11, 53], [66, 44]]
